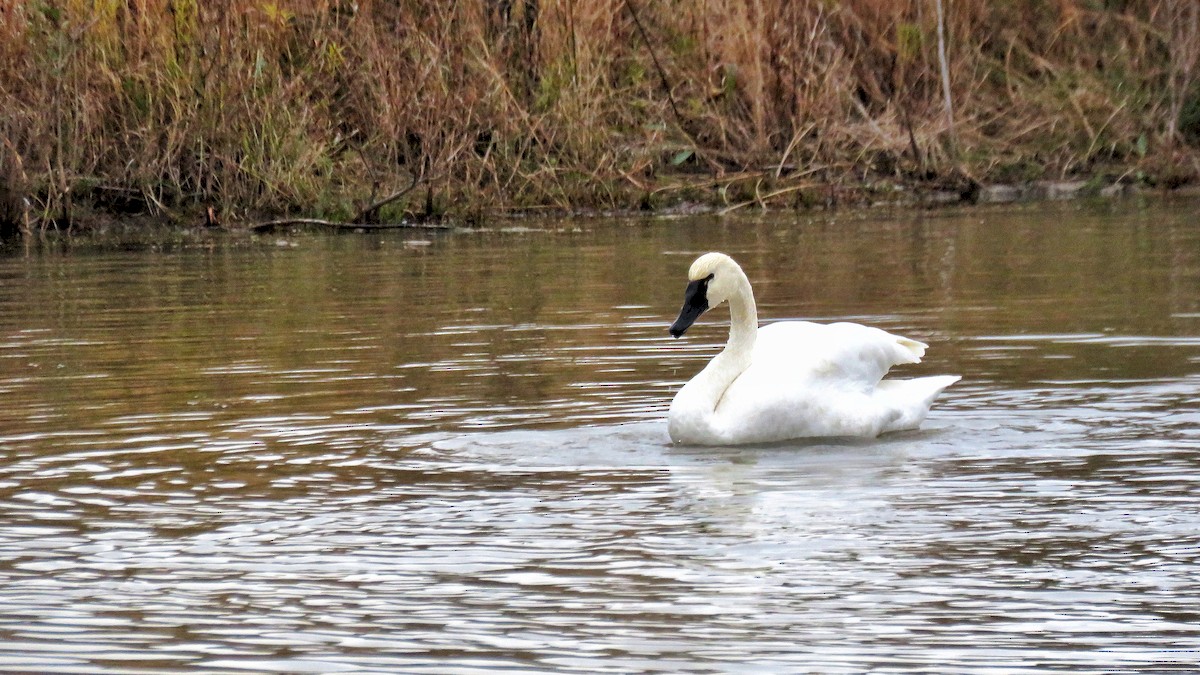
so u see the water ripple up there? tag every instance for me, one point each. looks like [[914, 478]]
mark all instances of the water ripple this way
[[219, 462]]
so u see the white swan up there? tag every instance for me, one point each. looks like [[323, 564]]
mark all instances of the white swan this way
[[791, 379]]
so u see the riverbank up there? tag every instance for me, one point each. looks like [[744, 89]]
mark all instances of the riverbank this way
[[381, 113]]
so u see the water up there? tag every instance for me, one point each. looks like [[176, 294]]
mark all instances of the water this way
[[446, 453]]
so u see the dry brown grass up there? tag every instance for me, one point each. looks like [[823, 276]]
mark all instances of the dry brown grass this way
[[324, 106]]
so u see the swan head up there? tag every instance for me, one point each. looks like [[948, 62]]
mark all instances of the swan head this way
[[714, 278]]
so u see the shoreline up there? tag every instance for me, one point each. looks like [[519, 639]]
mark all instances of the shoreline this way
[[149, 228]]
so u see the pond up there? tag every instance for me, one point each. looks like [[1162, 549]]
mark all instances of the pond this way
[[447, 451]]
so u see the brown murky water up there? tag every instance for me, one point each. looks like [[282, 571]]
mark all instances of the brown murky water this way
[[364, 454]]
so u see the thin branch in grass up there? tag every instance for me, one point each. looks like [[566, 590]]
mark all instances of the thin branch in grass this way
[[761, 200], [945, 67], [357, 222], [796, 138], [374, 208], [662, 74]]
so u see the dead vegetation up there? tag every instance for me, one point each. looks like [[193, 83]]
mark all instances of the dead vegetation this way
[[325, 108]]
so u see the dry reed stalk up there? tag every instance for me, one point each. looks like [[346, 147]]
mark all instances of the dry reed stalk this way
[[323, 106]]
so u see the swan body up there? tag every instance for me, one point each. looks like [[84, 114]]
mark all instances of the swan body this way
[[791, 379]]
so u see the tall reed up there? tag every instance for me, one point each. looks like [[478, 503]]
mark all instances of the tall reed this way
[[324, 106]]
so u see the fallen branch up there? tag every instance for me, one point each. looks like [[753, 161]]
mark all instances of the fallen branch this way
[[761, 200], [287, 222], [356, 223], [374, 208], [729, 179]]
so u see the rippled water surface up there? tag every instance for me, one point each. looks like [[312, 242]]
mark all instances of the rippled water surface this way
[[369, 453]]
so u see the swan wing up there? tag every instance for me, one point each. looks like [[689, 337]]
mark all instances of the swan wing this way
[[808, 379], [847, 354]]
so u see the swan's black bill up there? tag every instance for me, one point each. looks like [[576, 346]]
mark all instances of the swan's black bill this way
[[695, 303]]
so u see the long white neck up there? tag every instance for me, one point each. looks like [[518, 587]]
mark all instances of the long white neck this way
[[743, 322], [692, 410]]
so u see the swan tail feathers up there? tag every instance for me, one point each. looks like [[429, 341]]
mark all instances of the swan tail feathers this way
[[910, 351], [911, 399]]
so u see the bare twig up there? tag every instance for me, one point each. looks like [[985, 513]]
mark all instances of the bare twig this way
[[356, 223], [634, 181], [417, 179], [761, 200], [945, 66], [1096, 136], [796, 138], [728, 180], [285, 222], [662, 74]]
